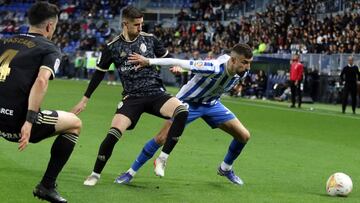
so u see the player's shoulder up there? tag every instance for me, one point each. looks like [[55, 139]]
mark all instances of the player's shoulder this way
[[116, 39], [43, 43], [145, 34], [223, 58]]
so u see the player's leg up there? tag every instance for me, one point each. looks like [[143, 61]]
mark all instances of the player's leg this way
[[353, 98], [68, 126], [218, 116], [241, 136], [298, 89], [293, 93], [175, 109], [167, 107], [127, 115], [119, 124], [345, 98], [146, 153]]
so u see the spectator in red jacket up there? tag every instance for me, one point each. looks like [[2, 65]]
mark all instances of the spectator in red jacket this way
[[296, 76]]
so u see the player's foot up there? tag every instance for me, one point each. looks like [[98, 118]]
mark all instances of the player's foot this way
[[124, 178], [159, 166], [91, 180], [230, 175], [50, 195]]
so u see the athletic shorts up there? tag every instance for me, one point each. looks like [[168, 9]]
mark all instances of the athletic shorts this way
[[132, 107], [42, 129], [213, 115]]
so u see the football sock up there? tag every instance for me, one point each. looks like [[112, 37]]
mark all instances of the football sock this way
[[176, 129], [225, 167], [163, 155], [131, 172], [234, 151], [147, 152], [95, 174], [60, 153], [106, 149]]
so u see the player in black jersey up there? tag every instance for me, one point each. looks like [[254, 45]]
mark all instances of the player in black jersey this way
[[27, 62], [143, 90]]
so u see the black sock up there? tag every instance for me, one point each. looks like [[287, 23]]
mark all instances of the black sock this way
[[176, 129], [106, 149], [60, 153]]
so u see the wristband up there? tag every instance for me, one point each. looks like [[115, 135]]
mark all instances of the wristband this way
[[31, 116]]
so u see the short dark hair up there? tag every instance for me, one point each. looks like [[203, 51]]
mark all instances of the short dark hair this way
[[130, 12], [243, 49], [41, 11]]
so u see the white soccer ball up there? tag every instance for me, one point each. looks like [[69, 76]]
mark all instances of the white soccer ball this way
[[339, 184]]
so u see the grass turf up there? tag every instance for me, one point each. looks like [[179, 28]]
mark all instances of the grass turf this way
[[290, 155]]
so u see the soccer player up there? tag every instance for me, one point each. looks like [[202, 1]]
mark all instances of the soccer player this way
[[27, 63], [143, 88], [202, 96]]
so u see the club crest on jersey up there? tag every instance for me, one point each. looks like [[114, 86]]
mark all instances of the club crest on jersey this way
[[199, 64], [143, 48]]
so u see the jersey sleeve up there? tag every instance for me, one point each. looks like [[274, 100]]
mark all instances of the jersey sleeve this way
[[51, 60], [159, 49], [104, 60], [205, 67]]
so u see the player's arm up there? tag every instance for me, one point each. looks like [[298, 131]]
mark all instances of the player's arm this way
[[50, 62], [198, 66], [102, 67], [342, 74]]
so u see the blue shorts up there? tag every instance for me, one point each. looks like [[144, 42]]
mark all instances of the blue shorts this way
[[213, 115]]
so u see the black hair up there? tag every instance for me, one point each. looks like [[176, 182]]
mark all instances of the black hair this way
[[130, 12], [243, 49], [41, 11]]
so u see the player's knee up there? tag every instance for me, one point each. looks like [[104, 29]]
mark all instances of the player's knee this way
[[161, 138], [181, 113], [245, 136], [76, 125]]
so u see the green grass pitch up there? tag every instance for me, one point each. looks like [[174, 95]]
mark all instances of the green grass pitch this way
[[290, 155]]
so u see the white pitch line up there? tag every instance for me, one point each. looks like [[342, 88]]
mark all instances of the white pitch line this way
[[288, 109]]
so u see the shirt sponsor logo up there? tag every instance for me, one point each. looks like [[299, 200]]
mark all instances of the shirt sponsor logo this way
[[200, 64], [10, 135], [8, 112]]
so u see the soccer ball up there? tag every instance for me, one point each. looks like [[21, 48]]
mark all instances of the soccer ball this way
[[339, 184]]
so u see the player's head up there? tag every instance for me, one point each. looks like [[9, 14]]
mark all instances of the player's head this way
[[295, 57], [350, 60], [43, 16], [132, 21], [241, 58]]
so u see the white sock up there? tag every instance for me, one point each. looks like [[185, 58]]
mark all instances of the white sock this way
[[163, 155], [95, 174], [132, 172], [225, 167]]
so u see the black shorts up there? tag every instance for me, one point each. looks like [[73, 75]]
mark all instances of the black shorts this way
[[42, 129], [132, 107]]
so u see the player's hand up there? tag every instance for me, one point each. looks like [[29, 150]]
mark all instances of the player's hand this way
[[25, 135], [78, 108], [138, 59], [176, 70]]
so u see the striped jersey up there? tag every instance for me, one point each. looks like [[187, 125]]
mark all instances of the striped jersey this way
[[210, 81]]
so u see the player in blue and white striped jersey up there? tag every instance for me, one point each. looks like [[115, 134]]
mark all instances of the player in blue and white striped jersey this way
[[202, 95]]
